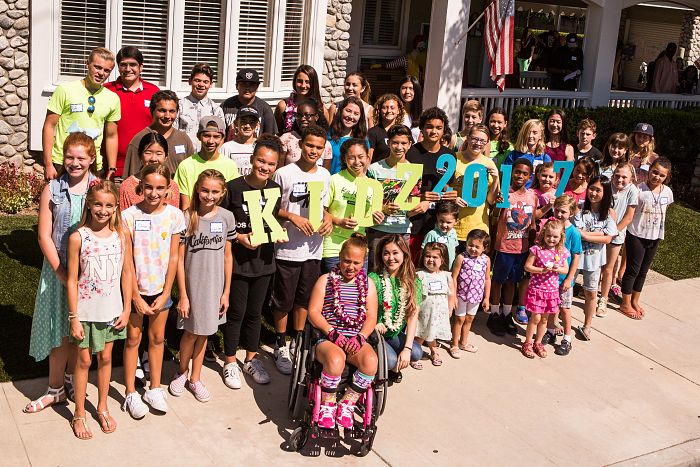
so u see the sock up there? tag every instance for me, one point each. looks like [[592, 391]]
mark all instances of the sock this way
[[552, 331], [280, 339], [494, 309], [567, 338], [360, 383], [508, 309], [329, 386]]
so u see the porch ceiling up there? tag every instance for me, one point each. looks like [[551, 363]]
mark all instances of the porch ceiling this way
[[694, 4]]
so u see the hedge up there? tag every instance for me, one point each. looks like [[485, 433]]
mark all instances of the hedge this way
[[677, 134]]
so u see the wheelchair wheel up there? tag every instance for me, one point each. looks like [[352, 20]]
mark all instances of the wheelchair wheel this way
[[367, 442], [297, 402], [299, 438], [382, 378]]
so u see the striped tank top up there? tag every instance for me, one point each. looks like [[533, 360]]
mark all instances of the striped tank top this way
[[349, 299]]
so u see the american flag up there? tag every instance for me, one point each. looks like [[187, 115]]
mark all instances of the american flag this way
[[498, 38]]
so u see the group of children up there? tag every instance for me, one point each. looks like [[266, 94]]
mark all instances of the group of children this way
[[418, 277]]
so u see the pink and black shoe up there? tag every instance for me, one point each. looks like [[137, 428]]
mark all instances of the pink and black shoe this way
[[326, 415], [345, 414]]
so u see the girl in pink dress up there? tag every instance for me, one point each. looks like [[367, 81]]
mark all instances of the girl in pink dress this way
[[546, 261]]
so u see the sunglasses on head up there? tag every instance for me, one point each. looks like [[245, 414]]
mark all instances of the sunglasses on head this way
[[91, 107]]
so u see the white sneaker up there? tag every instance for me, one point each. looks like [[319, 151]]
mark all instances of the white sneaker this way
[[283, 360], [135, 406], [256, 370], [232, 375], [140, 374], [156, 398]]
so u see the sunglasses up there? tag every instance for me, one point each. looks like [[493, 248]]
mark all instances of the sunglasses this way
[[91, 107], [306, 115]]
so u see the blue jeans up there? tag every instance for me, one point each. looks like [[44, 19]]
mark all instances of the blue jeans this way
[[395, 345], [329, 263]]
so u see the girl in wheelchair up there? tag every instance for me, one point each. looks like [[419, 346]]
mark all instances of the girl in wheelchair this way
[[343, 306]]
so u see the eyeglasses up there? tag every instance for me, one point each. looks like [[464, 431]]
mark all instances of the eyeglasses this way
[[91, 107], [307, 115], [478, 141]]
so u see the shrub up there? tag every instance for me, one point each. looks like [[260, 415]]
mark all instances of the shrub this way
[[18, 189], [675, 131]]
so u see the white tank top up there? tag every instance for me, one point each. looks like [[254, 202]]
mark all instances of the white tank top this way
[[99, 282]]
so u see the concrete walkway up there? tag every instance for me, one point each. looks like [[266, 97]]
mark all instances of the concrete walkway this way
[[631, 396]]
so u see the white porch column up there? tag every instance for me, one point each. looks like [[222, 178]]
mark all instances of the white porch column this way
[[602, 27], [445, 62]]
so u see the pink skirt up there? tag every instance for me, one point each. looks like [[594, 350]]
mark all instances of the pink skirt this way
[[542, 301]]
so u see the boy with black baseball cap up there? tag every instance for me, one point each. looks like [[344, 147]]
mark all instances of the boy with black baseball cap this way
[[240, 148], [247, 82]]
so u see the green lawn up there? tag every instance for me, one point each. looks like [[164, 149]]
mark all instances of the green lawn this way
[[20, 265]]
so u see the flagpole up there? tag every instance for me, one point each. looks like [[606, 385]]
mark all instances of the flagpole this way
[[461, 38]]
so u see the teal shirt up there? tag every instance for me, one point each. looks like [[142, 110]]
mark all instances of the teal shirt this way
[[448, 239], [377, 279]]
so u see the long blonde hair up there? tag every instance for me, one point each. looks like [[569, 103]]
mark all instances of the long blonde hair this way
[[406, 275], [521, 140], [193, 210], [644, 153], [102, 186]]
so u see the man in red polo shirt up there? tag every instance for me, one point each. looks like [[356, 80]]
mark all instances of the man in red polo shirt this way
[[135, 97]]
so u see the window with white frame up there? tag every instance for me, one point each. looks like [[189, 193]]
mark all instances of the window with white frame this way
[[269, 36], [381, 22]]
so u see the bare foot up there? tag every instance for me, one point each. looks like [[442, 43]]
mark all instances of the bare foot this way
[[80, 428], [638, 308], [630, 311]]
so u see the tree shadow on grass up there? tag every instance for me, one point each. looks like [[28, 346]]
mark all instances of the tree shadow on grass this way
[[14, 347], [23, 246]]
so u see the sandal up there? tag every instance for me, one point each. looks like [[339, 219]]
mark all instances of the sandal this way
[[454, 352], [526, 350], [68, 384], [416, 365], [632, 313], [106, 417], [58, 396], [87, 433], [586, 336], [469, 348], [540, 350], [435, 359]]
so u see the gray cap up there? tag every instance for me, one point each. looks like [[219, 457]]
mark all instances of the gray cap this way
[[212, 123], [644, 128]]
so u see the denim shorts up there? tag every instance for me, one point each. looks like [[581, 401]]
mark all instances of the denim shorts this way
[[591, 279]]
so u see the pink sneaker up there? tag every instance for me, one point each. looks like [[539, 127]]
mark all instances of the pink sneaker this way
[[200, 391], [326, 416], [345, 414]]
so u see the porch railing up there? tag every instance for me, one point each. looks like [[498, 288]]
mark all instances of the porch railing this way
[[512, 98], [650, 100]]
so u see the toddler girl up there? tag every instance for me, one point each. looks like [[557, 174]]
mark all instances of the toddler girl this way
[[99, 297], [614, 153], [438, 299], [546, 261], [155, 227], [343, 306], [472, 275], [596, 223], [644, 234], [203, 278], [397, 291], [60, 209]]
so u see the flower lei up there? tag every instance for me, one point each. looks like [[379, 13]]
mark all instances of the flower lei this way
[[338, 309], [392, 323]]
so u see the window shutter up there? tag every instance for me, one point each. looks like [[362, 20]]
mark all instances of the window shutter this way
[[253, 35], [203, 33], [293, 46], [382, 22], [145, 25], [83, 25]]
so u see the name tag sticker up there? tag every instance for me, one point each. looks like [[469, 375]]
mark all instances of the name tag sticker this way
[[573, 58], [478, 267], [435, 286], [528, 209], [644, 167], [663, 200], [535, 163], [76, 108], [180, 149], [146, 103], [442, 239], [142, 225], [299, 189], [216, 227]]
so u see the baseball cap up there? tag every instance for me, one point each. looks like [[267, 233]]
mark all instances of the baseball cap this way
[[247, 75], [247, 112], [212, 123], [644, 128]]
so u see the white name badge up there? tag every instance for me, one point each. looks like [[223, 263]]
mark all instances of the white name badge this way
[[573, 58], [146, 103], [442, 239], [478, 267], [216, 227], [663, 200], [142, 225], [299, 189], [435, 286], [535, 163], [528, 209], [644, 167], [180, 149], [76, 108]]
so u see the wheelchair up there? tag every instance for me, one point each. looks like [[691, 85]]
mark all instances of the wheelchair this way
[[305, 394]]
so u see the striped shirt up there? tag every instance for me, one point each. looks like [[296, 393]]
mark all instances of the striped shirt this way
[[349, 299]]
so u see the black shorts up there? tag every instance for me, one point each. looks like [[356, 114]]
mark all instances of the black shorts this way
[[151, 299], [293, 284]]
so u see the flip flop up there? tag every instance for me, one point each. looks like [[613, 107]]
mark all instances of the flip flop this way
[[416, 365], [582, 332], [435, 359], [110, 427], [469, 348], [632, 314], [454, 352]]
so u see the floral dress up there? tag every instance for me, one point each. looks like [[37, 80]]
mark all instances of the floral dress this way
[[434, 313], [543, 291]]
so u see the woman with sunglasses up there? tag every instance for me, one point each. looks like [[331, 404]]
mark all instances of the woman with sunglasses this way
[[308, 112]]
